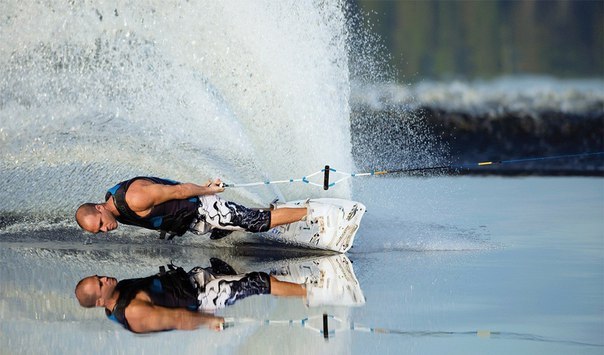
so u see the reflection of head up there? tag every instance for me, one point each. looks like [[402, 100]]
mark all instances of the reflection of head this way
[[84, 214], [85, 294]]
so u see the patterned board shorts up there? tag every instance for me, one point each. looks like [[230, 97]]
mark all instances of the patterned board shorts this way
[[214, 212], [219, 291]]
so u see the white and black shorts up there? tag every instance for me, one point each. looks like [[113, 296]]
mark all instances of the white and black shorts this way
[[214, 212], [218, 291]]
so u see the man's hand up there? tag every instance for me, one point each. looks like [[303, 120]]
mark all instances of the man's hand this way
[[216, 323], [215, 186]]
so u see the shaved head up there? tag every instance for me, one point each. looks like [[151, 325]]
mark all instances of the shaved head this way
[[95, 291], [85, 292], [84, 211], [95, 217]]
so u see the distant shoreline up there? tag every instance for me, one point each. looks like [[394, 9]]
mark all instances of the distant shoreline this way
[[466, 138]]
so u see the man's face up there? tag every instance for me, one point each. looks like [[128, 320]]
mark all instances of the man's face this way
[[100, 287], [99, 221]]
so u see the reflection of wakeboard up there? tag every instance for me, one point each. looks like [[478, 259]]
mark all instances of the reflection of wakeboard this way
[[329, 280], [331, 224]]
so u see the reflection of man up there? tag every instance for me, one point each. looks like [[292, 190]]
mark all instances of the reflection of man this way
[[170, 299], [176, 208]]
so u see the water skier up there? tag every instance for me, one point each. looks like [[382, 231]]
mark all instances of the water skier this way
[[173, 299], [175, 208]]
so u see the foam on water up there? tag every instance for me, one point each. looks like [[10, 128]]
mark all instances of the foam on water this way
[[92, 94], [527, 94]]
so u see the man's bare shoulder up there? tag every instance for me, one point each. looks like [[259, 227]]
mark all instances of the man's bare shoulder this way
[[138, 183], [138, 307], [140, 196]]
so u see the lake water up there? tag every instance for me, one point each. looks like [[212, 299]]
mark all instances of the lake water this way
[[453, 265], [96, 93]]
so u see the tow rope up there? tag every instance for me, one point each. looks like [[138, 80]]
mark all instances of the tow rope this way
[[329, 326], [327, 170]]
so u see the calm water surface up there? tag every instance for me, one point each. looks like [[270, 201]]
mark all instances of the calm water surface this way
[[447, 265]]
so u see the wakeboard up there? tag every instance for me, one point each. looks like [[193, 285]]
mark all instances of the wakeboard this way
[[329, 280], [330, 225]]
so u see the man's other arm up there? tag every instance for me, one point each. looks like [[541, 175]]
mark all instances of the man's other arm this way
[[144, 317]]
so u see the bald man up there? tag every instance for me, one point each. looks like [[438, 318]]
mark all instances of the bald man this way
[[175, 208], [173, 299]]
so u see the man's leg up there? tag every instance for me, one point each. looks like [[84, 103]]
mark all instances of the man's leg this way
[[281, 216], [215, 212], [219, 291], [282, 288]]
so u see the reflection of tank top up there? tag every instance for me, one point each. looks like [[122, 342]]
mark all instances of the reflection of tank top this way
[[168, 289], [174, 216]]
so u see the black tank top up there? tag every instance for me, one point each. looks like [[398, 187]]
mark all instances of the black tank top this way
[[174, 216], [168, 289]]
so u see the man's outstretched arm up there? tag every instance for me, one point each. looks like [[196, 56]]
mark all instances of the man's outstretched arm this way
[[142, 195], [144, 317]]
